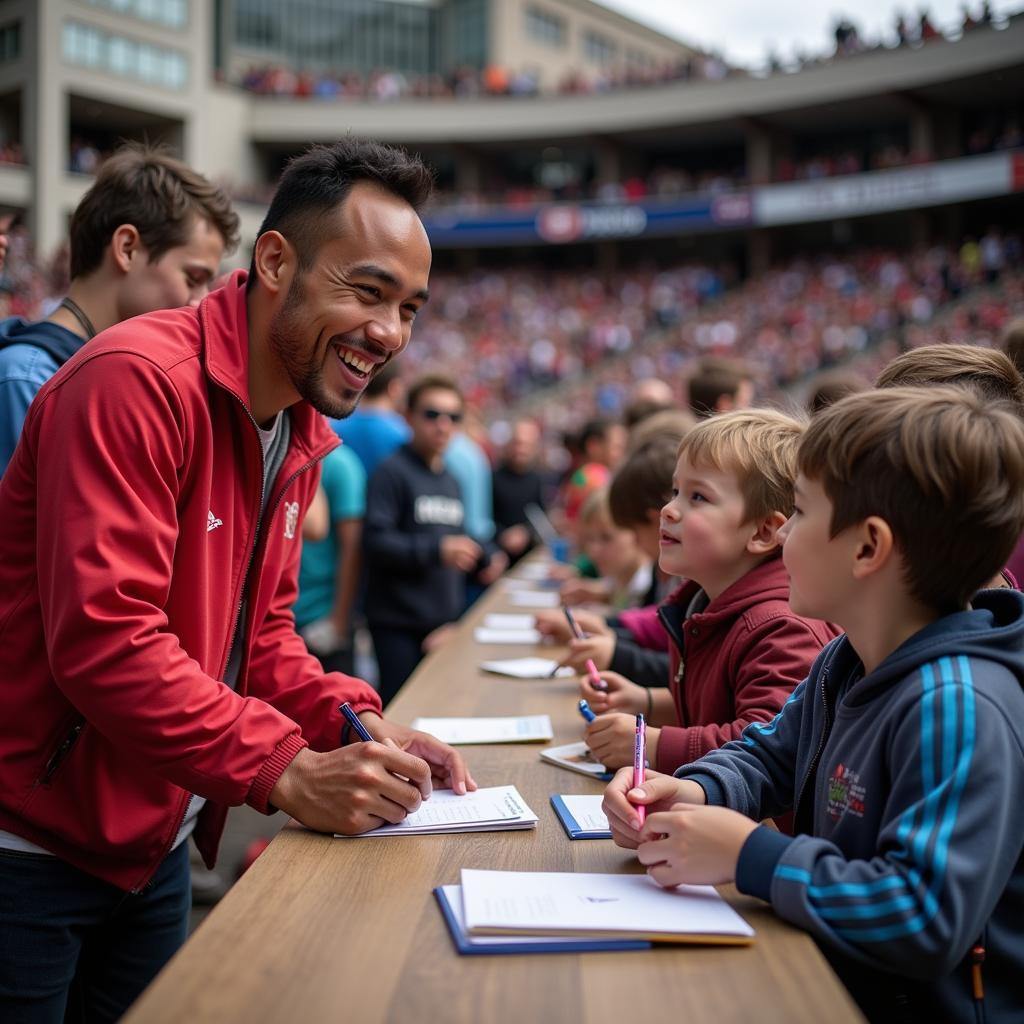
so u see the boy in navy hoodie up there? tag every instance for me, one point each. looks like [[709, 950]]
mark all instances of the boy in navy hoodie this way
[[902, 755]]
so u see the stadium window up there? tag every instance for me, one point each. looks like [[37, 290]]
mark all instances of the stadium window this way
[[598, 48], [10, 42], [126, 58], [170, 13], [545, 27]]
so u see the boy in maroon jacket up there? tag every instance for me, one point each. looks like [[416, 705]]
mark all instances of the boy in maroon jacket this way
[[737, 649]]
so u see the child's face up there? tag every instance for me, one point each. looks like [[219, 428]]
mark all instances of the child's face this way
[[704, 532], [816, 562], [613, 551]]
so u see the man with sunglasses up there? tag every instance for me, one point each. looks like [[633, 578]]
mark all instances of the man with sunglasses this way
[[418, 554]]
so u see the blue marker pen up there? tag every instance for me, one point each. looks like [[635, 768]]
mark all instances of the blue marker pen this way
[[585, 711], [353, 720]]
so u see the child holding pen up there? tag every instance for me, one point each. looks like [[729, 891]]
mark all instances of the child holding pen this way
[[902, 755], [737, 650]]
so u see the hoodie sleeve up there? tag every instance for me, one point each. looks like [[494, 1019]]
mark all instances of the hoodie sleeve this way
[[756, 774], [773, 658], [644, 667], [949, 843], [386, 544]]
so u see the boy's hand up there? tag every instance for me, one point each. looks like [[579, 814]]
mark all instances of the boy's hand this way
[[460, 552], [598, 649], [693, 845], [658, 793], [555, 625], [497, 564], [612, 740], [621, 695]]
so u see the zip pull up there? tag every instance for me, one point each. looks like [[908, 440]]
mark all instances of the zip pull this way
[[680, 671], [977, 959]]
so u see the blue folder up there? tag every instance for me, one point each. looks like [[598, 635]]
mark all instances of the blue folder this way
[[449, 899], [572, 827]]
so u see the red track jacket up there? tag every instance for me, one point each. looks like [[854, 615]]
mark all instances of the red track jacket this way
[[130, 527]]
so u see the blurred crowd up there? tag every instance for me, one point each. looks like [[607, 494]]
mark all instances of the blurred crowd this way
[[384, 85]]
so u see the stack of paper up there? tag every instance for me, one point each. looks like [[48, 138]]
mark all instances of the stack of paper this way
[[596, 906], [521, 729], [487, 810], [449, 899], [527, 668], [577, 758], [483, 635], [533, 599], [498, 621], [581, 816]]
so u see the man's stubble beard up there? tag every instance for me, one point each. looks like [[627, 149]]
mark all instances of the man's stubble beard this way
[[306, 376]]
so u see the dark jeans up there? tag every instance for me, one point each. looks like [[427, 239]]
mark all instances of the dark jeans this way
[[75, 948], [398, 652]]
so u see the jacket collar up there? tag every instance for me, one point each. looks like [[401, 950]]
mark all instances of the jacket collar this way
[[224, 325]]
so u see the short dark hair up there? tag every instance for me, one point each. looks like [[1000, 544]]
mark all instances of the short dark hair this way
[[828, 388], [986, 371], [593, 430], [314, 184], [714, 378], [159, 195], [431, 382], [943, 466], [642, 483]]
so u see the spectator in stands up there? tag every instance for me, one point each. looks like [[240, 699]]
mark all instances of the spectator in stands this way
[[830, 387], [376, 428], [330, 568], [720, 385], [149, 234], [602, 444], [418, 553], [516, 484]]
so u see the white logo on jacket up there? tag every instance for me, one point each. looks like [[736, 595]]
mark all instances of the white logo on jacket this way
[[213, 522], [291, 519], [436, 508]]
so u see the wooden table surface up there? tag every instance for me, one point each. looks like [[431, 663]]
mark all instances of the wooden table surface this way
[[325, 929]]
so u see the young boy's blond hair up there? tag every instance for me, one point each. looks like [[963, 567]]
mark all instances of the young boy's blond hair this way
[[759, 446], [943, 466]]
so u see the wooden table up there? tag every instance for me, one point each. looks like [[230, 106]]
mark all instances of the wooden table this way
[[321, 929]]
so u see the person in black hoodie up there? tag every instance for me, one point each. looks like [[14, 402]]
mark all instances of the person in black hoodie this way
[[417, 552], [516, 484]]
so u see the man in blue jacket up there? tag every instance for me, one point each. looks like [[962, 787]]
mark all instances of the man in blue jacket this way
[[902, 755], [149, 234]]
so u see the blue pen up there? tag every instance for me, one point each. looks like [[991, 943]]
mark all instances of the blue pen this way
[[353, 719], [585, 711]]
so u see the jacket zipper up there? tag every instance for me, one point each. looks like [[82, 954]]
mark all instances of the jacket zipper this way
[[58, 756], [680, 644], [241, 601], [812, 767]]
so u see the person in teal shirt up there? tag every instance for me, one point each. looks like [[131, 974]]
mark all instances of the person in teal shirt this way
[[329, 570]]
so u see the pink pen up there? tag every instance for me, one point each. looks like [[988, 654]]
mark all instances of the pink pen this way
[[640, 762], [595, 677]]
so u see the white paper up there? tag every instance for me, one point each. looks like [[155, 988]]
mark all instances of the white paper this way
[[496, 807], [454, 894], [576, 757], [545, 902], [533, 599], [534, 571], [515, 729], [497, 621], [483, 635], [527, 668], [586, 810]]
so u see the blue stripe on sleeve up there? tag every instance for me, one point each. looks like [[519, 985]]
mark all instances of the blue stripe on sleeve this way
[[957, 738]]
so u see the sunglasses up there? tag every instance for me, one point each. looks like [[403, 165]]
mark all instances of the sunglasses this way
[[436, 414]]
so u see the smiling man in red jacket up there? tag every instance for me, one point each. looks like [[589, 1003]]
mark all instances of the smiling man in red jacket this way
[[150, 672]]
